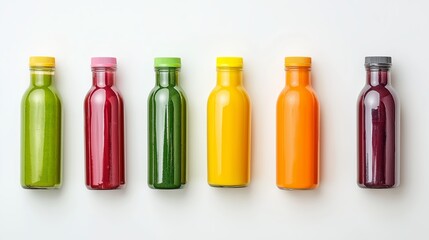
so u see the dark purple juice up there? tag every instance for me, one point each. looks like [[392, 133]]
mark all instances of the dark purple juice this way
[[378, 128]]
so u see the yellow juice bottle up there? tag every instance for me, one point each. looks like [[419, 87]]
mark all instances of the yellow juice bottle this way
[[228, 127]]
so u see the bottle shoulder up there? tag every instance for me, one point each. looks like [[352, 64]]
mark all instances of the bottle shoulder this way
[[171, 91], [163, 96], [293, 93], [380, 93], [221, 90], [228, 95], [38, 93], [102, 97], [375, 97], [107, 92]]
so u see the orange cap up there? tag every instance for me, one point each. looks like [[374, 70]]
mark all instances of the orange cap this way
[[297, 61]]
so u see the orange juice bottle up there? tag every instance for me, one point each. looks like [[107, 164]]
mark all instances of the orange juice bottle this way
[[297, 128]]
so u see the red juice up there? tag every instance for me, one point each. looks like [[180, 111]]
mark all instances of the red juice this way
[[104, 128], [378, 128]]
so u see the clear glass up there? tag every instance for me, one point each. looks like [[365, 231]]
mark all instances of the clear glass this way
[[41, 132], [378, 131], [167, 141], [228, 130], [104, 132], [298, 132]]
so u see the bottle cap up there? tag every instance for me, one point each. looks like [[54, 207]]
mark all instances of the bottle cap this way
[[39, 61], [229, 62], [297, 61], [168, 62], [378, 61], [103, 62]]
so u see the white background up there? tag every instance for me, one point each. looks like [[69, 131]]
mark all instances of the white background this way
[[336, 34]]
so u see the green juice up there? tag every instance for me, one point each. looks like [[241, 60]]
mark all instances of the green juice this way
[[41, 132], [167, 128]]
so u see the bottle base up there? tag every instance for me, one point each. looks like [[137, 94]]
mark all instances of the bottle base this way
[[292, 188], [228, 186], [377, 186], [166, 187], [104, 187], [33, 187]]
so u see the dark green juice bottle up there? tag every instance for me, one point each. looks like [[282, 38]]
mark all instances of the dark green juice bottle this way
[[41, 128], [167, 127]]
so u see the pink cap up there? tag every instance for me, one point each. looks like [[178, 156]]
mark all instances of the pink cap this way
[[103, 62]]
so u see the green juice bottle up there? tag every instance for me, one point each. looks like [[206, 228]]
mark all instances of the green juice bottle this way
[[41, 128], [167, 127]]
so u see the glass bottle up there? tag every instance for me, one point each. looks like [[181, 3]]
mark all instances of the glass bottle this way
[[378, 127], [298, 128], [104, 128], [41, 136], [228, 127], [167, 142]]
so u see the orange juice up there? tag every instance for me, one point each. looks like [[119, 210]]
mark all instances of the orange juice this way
[[298, 128]]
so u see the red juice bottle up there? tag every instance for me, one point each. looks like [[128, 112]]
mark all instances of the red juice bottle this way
[[378, 127], [104, 128]]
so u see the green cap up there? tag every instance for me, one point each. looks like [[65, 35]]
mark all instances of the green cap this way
[[167, 62]]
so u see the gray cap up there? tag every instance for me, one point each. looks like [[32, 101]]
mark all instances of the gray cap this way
[[378, 61]]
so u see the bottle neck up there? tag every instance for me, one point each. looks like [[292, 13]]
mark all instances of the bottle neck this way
[[298, 76], [42, 76], [229, 77], [167, 76], [378, 76], [103, 76]]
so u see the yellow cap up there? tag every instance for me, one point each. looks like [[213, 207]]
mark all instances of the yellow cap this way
[[297, 61], [38, 61], [229, 62]]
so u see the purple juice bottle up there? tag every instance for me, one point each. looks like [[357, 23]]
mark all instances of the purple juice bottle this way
[[378, 127]]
